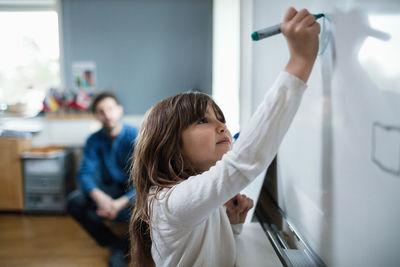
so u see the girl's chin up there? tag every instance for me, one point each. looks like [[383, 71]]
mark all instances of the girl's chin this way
[[225, 149]]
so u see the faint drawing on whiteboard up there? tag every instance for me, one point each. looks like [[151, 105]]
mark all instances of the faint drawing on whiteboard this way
[[84, 74], [386, 147], [325, 35]]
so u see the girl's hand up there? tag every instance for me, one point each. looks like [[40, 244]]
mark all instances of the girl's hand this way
[[237, 208], [301, 32]]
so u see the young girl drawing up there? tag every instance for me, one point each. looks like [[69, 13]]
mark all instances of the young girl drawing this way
[[186, 175]]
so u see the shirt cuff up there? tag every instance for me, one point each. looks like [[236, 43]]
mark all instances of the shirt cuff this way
[[237, 228], [89, 188], [291, 80]]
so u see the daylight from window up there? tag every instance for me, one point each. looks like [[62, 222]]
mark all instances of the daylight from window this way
[[29, 52]]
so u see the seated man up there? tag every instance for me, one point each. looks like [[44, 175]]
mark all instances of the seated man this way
[[103, 178]]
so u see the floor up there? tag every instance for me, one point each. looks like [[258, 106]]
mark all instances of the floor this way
[[47, 240]]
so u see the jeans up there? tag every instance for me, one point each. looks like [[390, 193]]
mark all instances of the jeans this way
[[83, 209]]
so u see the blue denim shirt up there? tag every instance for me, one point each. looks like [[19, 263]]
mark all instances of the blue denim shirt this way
[[108, 159]]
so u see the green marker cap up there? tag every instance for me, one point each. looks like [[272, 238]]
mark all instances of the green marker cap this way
[[254, 36], [320, 15]]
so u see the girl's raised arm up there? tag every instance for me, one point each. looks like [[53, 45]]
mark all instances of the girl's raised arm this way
[[192, 201], [301, 32]]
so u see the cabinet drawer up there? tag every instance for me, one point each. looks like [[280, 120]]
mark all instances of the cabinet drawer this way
[[43, 184], [42, 166], [44, 202]]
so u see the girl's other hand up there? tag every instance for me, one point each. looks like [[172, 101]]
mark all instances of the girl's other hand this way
[[237, 208], [301, 32]]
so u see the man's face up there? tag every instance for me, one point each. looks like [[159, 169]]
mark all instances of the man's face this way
[[109, 113]]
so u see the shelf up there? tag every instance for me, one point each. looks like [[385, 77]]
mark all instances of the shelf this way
[[68, 116]]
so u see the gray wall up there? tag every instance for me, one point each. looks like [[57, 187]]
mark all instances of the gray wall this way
[[145, 50]]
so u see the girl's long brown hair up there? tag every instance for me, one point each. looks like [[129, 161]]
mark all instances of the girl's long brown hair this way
[[159, 163]]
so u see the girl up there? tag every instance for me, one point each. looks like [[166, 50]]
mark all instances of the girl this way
[[185, 171]]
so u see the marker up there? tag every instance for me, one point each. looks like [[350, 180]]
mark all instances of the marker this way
[[270, 31]]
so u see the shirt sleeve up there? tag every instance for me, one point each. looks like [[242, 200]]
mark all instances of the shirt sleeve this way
[[191, 201], [89, 165]]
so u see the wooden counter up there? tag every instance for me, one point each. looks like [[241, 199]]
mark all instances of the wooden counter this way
[[11, 178]]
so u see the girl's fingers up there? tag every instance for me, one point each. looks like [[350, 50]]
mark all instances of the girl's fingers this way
[[242, 215], [240, 203], [244, 203], [317, 27], [249, 204], [290, 13], [300, 16], [307, 21]]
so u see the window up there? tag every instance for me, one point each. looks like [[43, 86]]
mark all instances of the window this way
[[29, 50]]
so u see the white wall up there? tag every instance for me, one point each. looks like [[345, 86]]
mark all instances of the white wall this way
[[225, 82]]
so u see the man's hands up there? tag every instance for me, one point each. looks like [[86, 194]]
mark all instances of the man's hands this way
[[237, 208], [301, 32], [108, 207]]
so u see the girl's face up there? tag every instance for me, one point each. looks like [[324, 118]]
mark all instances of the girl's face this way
[[206, 141]]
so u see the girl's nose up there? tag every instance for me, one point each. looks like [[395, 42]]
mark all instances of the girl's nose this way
[[221, 128]]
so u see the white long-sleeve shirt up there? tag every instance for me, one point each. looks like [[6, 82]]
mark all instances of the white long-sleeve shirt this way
[[190, 226]]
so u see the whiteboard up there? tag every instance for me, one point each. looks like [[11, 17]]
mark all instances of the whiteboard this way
[[339, 164]]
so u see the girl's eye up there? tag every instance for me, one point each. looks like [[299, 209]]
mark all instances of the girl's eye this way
[[203, 120]]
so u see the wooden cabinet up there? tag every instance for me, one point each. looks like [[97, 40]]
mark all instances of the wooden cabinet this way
[[11, 178]]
